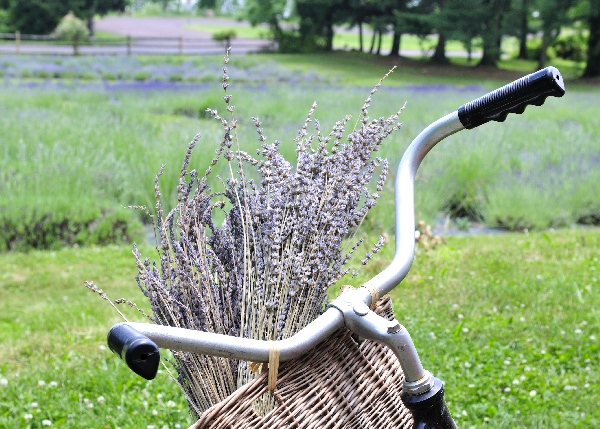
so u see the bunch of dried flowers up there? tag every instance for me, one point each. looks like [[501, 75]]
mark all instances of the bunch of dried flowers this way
[[265, 272]]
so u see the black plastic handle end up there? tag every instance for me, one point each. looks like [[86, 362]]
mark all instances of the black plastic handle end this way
[[139, 352], [532, 89]]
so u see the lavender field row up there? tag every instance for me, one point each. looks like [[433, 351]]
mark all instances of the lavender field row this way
[[90, 148]]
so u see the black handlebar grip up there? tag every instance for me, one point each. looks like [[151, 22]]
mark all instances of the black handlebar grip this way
[[139, 352], [512, 98]]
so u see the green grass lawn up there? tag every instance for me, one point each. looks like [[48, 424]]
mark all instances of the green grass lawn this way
[[509, 322], [243, 31]]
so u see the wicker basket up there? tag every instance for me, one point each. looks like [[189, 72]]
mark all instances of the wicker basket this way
[[340, 384]]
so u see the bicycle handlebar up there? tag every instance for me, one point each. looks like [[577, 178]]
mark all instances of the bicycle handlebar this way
[[512, 98]]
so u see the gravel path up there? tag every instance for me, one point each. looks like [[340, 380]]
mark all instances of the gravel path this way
[[161, 26]]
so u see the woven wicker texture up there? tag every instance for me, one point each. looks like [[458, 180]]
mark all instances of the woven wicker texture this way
[[337, 385]]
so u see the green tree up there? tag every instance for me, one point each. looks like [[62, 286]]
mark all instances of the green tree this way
[[72, 29], [553, 15], [493, 13], [317, 18], [42, 16], [592, 67], [91, 8], [269, 12]]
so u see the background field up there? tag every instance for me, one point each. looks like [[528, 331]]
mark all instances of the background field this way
[[510, 314]]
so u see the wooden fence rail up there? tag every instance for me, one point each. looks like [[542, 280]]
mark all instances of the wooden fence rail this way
[[41, 44]]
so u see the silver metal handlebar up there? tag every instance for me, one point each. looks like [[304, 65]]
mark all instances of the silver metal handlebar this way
[[341, 312]]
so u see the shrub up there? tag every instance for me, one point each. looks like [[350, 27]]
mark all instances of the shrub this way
[[224, 36], [36, 229], [44, 74], [109, 76], [176, 77], [187, 111], [571, 47], [159, 78], [26, 74], [88, 75], [67, 74], [141, 76], [193, 79]]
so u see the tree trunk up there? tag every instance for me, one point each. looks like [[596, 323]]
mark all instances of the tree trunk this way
[[90, 24], [380, 34], [491, 51], [329, 34], [524, 30], [544, 48], [360, 36], [395, 52], [492, 34], [592, 68], [373, 41], [439, 56]]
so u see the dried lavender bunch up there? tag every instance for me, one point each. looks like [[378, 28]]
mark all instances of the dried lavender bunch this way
[[265, 272]]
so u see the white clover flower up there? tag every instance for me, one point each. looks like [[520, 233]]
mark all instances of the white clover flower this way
[[532, 393], [53, 384], [46, 423], [102, 347], [41, 383], [464, 413], [101, 399], [522, 319], [522, 378], [159, 396], [467, 365], [154, 413], [171, 404], [465, 329], [3, 382], [577, 331], [507, 389], [507, 362], [90, 405], [34, 405], [460, 316], [515, 381], [177, 425], [593, 337], [432, 335], [471, 385], [28, 416], [150, 427]]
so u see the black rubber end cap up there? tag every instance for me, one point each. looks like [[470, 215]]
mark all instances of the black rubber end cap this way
[[139, 352]]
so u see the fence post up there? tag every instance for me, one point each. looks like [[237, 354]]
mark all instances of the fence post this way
[[128, 45], [18, 41], [180, 45]]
